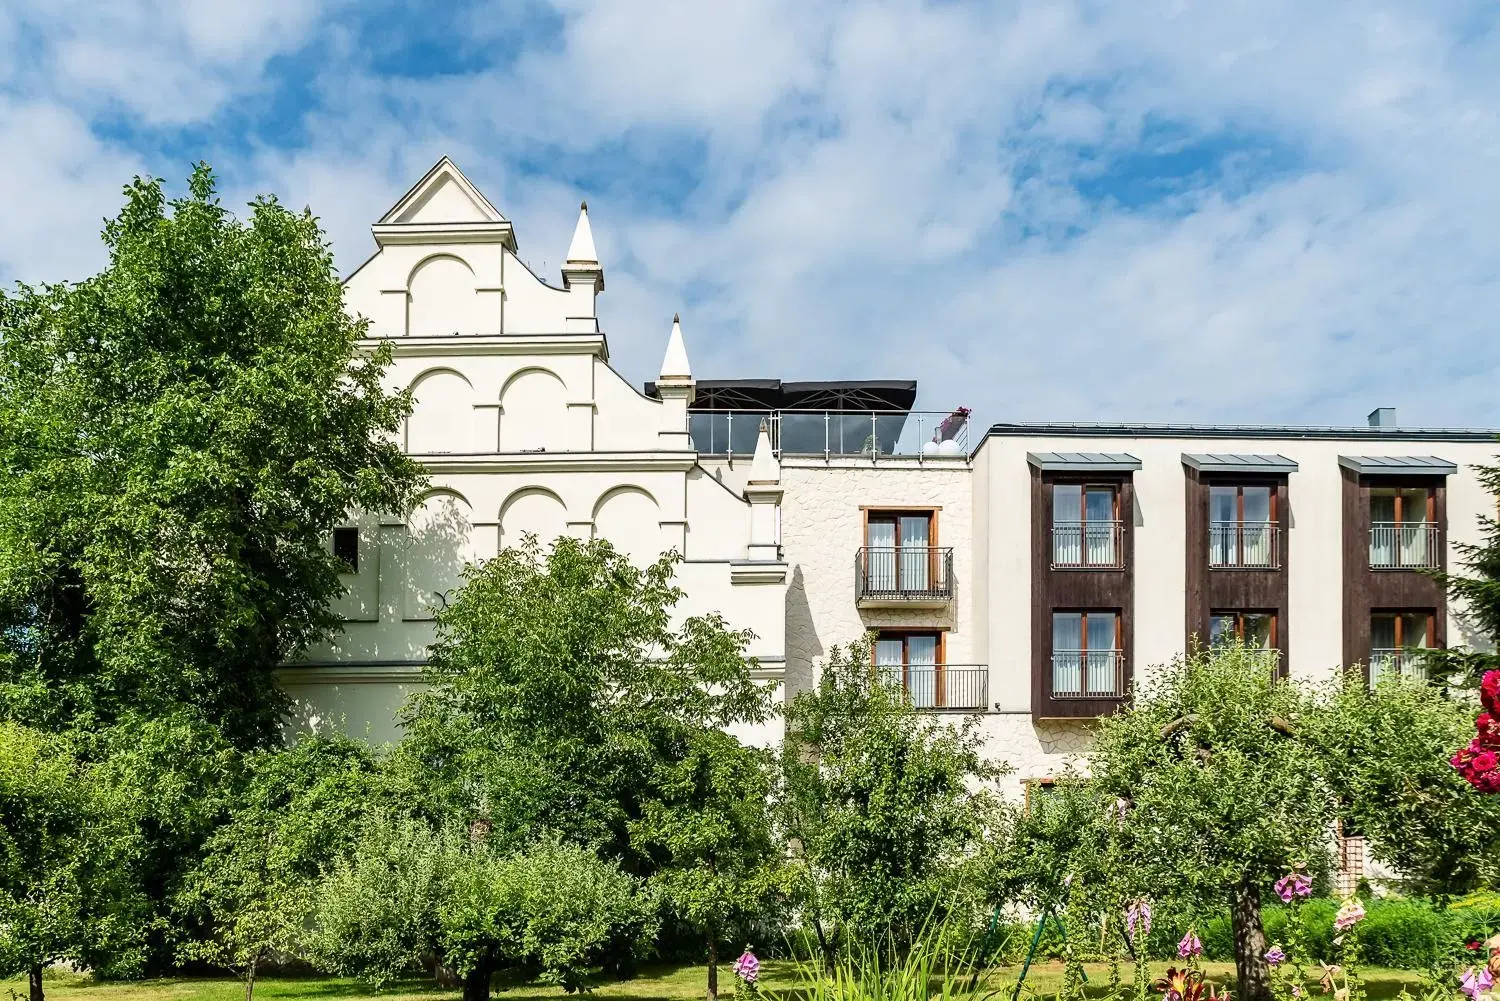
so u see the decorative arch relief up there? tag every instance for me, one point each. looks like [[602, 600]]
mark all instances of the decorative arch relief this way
[[442, 415], [533, 412], [442, 298], [532, 511], [630, 519], [440, 542]]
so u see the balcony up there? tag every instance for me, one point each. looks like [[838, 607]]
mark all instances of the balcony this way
[[829, 433], [1244, 545], [1405, 545], [942, 687], [1387, 664], [1088, 674], [903, 577], [1092, 545]]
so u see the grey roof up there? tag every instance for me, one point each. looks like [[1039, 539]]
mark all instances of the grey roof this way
[[1274, 431], [1084, 462], [1223, 463], [1398, 465]]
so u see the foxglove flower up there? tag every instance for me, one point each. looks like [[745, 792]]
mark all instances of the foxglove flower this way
[[1275, 956], [1474, 984], [1190, 946], [1138, 918], [1294, 884], [1350, 914], [747, 967]]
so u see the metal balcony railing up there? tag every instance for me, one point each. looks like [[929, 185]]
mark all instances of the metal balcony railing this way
[[1088, 545], [1388, 663], [906, 573], [1405, 545], [832, 433], [1088, 674], [1250, 545], [941, 686]]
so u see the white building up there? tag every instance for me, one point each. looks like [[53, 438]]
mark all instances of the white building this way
[[1028, 577]]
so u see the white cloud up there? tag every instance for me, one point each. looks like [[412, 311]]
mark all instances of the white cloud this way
[[893, 189]]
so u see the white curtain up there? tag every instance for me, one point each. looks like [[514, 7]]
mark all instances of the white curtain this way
[[888, 666], [1067, 524], [921, 671], [1101, 657], [915, 557], [1100, 527], [1067, 654], [880, 567], [1383, 529]]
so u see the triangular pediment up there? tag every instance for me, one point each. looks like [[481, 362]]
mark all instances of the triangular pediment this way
[[444, 195]]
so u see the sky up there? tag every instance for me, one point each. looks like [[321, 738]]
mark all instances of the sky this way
[[1062, 210]]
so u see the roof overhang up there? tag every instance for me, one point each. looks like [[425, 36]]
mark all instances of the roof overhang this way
[[878, 396], [1398, 465], [1240, 465], [1083, 462]]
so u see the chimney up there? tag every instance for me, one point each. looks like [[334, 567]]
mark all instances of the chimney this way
[[1383, 418]]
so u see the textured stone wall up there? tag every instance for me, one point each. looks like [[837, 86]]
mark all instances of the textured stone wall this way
[[822, 525]]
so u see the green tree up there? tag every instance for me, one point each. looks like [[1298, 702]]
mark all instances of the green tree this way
[[177, 436], [295, 816], [1387, 754], [67, 844], [1477, 593], [884, 808], [1221, 789], [552, 910], [561, 698], [709, 828]]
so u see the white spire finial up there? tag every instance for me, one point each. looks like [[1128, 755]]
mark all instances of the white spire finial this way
[[581, 250], [764, 469], [675, 364]]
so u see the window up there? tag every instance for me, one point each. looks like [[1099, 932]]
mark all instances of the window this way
[[1087, 660], [346, 548], [1086, 526], [1242, 526], [899, 557], [1256, 630], [1392, 636], [911, 661], [1403, 528]]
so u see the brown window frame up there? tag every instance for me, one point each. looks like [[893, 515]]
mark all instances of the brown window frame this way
[[1398, 615], [1119, 615], [939, 656], [895, 515], [1430, 517], [1239, 623]]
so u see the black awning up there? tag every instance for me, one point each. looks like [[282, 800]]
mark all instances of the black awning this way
[[772, 394]]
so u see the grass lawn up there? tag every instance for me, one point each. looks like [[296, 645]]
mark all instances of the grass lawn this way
[[779, 981]]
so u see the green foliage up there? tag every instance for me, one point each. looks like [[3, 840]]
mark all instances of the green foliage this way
[[67, 846], [406, 892], [177, 435], [885, 809], [1387, 753], [561, 698], [1477, 592], [939, 962], [294, 817]]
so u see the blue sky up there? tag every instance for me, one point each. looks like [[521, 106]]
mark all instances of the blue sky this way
[[1052, 210]]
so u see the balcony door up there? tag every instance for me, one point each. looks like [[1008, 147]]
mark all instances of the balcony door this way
[[1403, 528], [1085, 525], [1242, 526], [910, 661], [1392, 636], [1086, 655], [1256, 630], [899, 557]]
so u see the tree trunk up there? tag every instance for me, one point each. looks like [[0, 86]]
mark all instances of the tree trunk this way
[[713, 969], [36, 982], [1249, 943], [250, 980], [477, 983]]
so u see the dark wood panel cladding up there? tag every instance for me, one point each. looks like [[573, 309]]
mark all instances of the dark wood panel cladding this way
[[1368, 590], [1211, 590], [1073, 590]]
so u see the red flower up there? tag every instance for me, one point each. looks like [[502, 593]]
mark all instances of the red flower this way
[[1489, 691], [1485, 761]]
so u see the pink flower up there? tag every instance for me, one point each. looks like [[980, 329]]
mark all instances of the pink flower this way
[[1350, 914], [1275, 956], [1190, 946], [1294, 884], [1138, 915], [747, 967], [1474, 985]]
